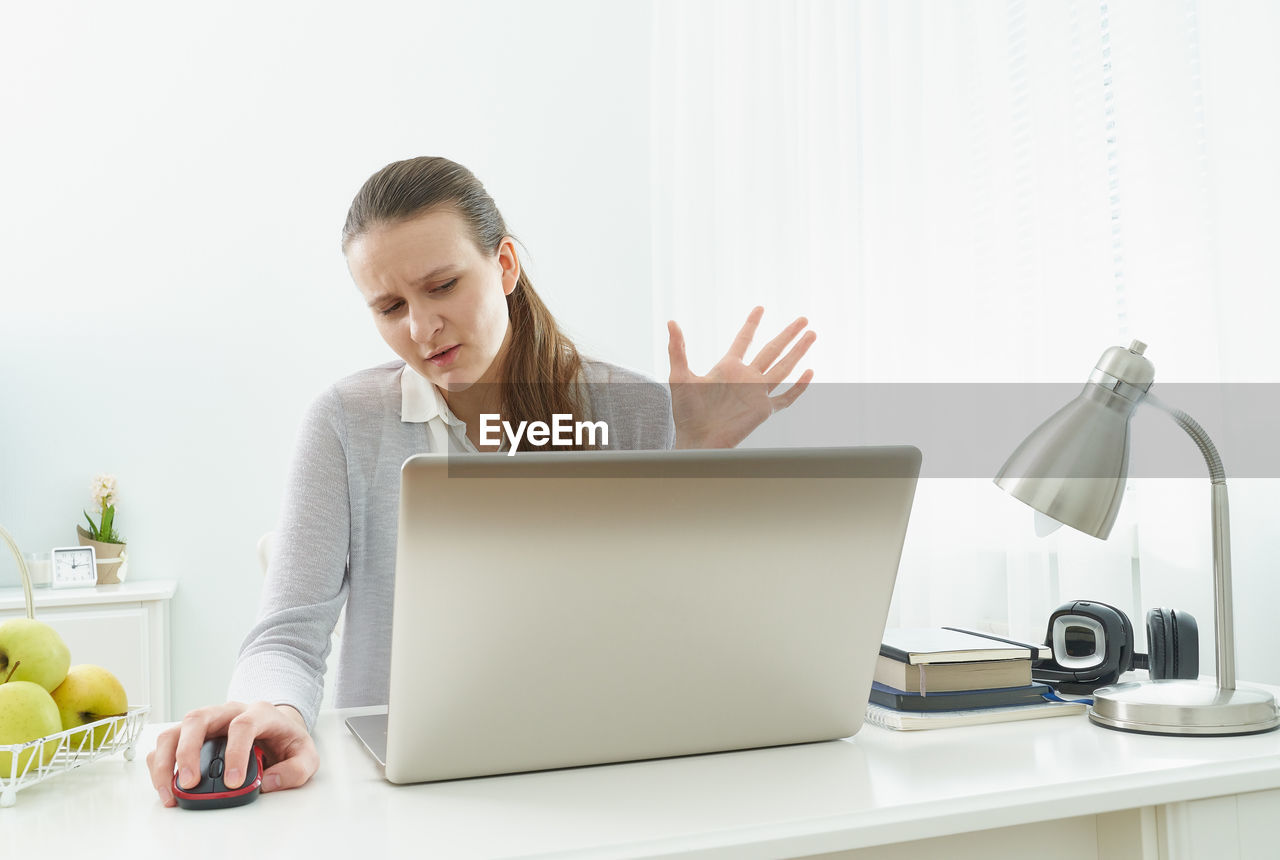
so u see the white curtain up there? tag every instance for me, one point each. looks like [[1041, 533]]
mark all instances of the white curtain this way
[[959, 192]]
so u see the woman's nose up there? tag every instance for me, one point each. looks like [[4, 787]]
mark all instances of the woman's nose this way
[[423, 324]]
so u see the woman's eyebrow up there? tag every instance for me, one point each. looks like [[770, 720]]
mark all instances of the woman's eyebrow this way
[[437, 272]]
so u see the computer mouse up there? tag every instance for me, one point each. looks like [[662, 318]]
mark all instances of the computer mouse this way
[[211, 792]]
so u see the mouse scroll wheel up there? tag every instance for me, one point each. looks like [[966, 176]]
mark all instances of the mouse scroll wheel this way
[[215, 768]]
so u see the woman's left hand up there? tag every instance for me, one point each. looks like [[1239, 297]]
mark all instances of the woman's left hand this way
[[721, 409]]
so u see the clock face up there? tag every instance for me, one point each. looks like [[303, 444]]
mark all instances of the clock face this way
[[75, 565], [73, 560]]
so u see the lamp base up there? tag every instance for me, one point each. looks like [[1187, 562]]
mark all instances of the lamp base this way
[[1178, 707]]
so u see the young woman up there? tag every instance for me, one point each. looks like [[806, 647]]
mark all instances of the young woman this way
[[433, 259]]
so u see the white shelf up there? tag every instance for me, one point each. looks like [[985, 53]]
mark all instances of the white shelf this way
[[130, 591]]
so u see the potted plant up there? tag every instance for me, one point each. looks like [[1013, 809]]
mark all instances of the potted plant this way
[[102, 536]]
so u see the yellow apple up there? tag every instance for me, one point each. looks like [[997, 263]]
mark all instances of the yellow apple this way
[[36, 650], [27, 712], [88, 694]]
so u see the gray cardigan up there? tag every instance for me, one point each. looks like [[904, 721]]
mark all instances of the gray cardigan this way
[[335, 542]]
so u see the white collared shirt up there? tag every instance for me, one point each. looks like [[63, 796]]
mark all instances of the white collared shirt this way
[[422, 403], [350, 450]]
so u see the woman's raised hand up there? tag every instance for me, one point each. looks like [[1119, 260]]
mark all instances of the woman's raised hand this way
[[721, 409]]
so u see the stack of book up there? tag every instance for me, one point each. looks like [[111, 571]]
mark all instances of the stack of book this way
[[933, 677]]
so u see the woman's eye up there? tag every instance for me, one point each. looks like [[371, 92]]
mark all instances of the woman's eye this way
[[394, 307]]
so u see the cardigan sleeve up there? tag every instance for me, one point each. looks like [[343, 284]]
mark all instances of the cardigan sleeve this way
[[637, 409], [282, 659]]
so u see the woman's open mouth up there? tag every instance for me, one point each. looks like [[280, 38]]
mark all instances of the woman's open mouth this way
[[445, 357]]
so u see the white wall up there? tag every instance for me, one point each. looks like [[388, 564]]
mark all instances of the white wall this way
[[172, 295], [174, 178]]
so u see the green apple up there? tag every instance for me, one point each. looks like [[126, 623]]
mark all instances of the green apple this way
[[44, 657], [27, 712], [88, 694]]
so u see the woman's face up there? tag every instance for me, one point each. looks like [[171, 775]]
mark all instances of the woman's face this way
[[438, 301]]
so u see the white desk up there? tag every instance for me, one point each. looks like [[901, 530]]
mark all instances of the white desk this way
[[1054, 786]]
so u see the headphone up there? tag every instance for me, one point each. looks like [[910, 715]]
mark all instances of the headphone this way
[[1092, 645]]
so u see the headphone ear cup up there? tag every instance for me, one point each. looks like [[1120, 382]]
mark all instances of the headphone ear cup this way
[[1173, 640], [1186, 639], [1159, 635]]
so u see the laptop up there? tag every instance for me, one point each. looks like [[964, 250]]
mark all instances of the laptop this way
[[563, 609]]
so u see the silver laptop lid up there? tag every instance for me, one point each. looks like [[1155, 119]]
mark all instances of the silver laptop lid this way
[[554, 610]]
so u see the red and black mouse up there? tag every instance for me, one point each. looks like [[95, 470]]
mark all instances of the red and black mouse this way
[[211, 792]]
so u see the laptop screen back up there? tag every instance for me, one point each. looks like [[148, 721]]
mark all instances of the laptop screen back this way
[[554, 610]]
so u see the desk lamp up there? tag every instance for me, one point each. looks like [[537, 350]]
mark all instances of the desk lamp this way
[[1072, 468]]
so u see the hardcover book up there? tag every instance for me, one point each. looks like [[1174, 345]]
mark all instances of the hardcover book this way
[[949, 677], [1032, 694], [916, 645]]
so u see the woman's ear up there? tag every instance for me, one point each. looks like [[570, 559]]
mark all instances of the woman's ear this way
[[509, 264]]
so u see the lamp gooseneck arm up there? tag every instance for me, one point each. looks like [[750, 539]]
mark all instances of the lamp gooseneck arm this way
[[1224, 625]]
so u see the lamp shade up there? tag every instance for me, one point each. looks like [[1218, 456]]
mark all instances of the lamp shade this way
[[1073, 466]]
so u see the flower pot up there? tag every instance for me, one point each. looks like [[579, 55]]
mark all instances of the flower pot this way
[[112, 558]]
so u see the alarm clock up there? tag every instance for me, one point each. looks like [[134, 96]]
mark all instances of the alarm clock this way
[[74, 566]]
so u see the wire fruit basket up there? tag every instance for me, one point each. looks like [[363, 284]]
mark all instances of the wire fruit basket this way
[[38, 760], [25, 764]]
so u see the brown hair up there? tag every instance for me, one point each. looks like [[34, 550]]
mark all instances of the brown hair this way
[[540, 375]]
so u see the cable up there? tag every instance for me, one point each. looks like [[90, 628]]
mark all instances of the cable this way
[[1054, 697]]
